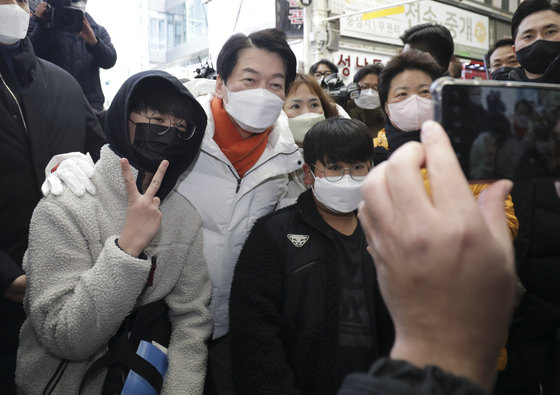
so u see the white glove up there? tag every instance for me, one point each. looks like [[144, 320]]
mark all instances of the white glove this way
[[74, 168]]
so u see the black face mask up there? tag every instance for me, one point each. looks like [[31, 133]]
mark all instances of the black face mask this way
[[501, 73], [536, 57], [151, 149]]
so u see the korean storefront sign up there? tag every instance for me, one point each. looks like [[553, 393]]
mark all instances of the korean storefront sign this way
[[467, 28], [350, 61]]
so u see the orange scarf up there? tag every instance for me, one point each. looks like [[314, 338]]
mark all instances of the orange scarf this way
[[242, 153]]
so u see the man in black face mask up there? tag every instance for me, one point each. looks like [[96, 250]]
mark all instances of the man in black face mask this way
[[535, 27], [501, 59], [532, 368]]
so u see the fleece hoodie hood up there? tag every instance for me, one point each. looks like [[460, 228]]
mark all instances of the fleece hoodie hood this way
[[116, 127]]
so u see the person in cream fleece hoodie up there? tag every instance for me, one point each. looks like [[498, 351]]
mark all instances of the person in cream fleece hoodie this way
[[92, 259]]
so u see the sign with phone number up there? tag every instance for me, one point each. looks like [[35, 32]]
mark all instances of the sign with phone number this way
[[467, 28]]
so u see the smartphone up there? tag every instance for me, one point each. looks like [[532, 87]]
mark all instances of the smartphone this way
[[501, 129]]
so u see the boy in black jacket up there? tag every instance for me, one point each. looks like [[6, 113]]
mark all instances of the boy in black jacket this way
[[305, 307]]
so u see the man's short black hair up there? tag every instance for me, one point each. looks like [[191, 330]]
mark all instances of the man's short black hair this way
[[160, 96], [504, 42], [369, 69], [432, 38], [526, 8], [337, 139], [326, 62], [271, 40], [408, 60]]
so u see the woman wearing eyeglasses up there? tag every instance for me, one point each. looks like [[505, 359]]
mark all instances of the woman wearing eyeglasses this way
[[95, 258]]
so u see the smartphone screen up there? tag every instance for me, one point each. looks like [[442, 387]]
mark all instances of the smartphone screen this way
[[502, 131]]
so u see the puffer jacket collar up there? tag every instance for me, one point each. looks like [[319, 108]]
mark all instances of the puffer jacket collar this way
[[280, 146], [280, 139]]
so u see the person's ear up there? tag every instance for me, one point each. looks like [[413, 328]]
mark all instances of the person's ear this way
[[308, 179], [513, 47], [219, 87]]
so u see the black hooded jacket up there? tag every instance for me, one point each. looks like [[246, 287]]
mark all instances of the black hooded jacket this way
[[536, 323], [116, 127], [70, 52], [43, 112]]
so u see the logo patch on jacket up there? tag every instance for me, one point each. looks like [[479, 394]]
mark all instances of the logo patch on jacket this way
[[298, 240]]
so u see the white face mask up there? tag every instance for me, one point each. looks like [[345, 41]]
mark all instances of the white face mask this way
[[254, 110], [368, 99], [342, 196], [410, 114], [300, 125], [14, 21]]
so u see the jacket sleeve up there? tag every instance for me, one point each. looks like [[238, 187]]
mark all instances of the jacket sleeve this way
[[392, 377], [258, 358], [104, 54], [41, 39], [9, 271], [191, 325], [76, 304], [512, 221]]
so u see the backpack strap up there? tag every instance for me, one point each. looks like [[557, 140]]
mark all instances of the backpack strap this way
[[122, 350], [135, 362]]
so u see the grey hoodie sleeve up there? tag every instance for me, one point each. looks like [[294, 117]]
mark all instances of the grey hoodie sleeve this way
[[191, 325], [76, 303]]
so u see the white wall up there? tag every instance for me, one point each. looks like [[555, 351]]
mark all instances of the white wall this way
[[127, 24], [222, 14]]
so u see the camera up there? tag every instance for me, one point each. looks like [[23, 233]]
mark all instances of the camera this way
[[206, 71], [66, 15], [333, 86]]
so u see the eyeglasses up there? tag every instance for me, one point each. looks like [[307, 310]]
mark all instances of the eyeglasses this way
[[365, 86], [334, 172], [319, 74], [160, 124]]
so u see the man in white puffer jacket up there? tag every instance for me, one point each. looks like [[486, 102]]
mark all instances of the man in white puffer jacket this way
[[91, 259], [241, 173]]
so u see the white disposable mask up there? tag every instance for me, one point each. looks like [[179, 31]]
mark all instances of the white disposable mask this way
[[300, 125], [254, 110], [14, 22], [368, 99], [342, 196], [410, 114]]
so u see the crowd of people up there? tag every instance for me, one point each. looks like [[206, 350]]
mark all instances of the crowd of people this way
[[260, 234]]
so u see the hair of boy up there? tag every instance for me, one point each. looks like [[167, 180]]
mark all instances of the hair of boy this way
[[337, 139]]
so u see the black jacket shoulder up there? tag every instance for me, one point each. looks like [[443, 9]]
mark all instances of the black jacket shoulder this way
[[392, 377]]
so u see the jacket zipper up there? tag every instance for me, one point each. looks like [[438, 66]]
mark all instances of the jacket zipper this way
[[55, 379], [17, 104], [252, 170]]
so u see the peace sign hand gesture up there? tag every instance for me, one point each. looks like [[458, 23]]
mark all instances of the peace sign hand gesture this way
[[143, 217]]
